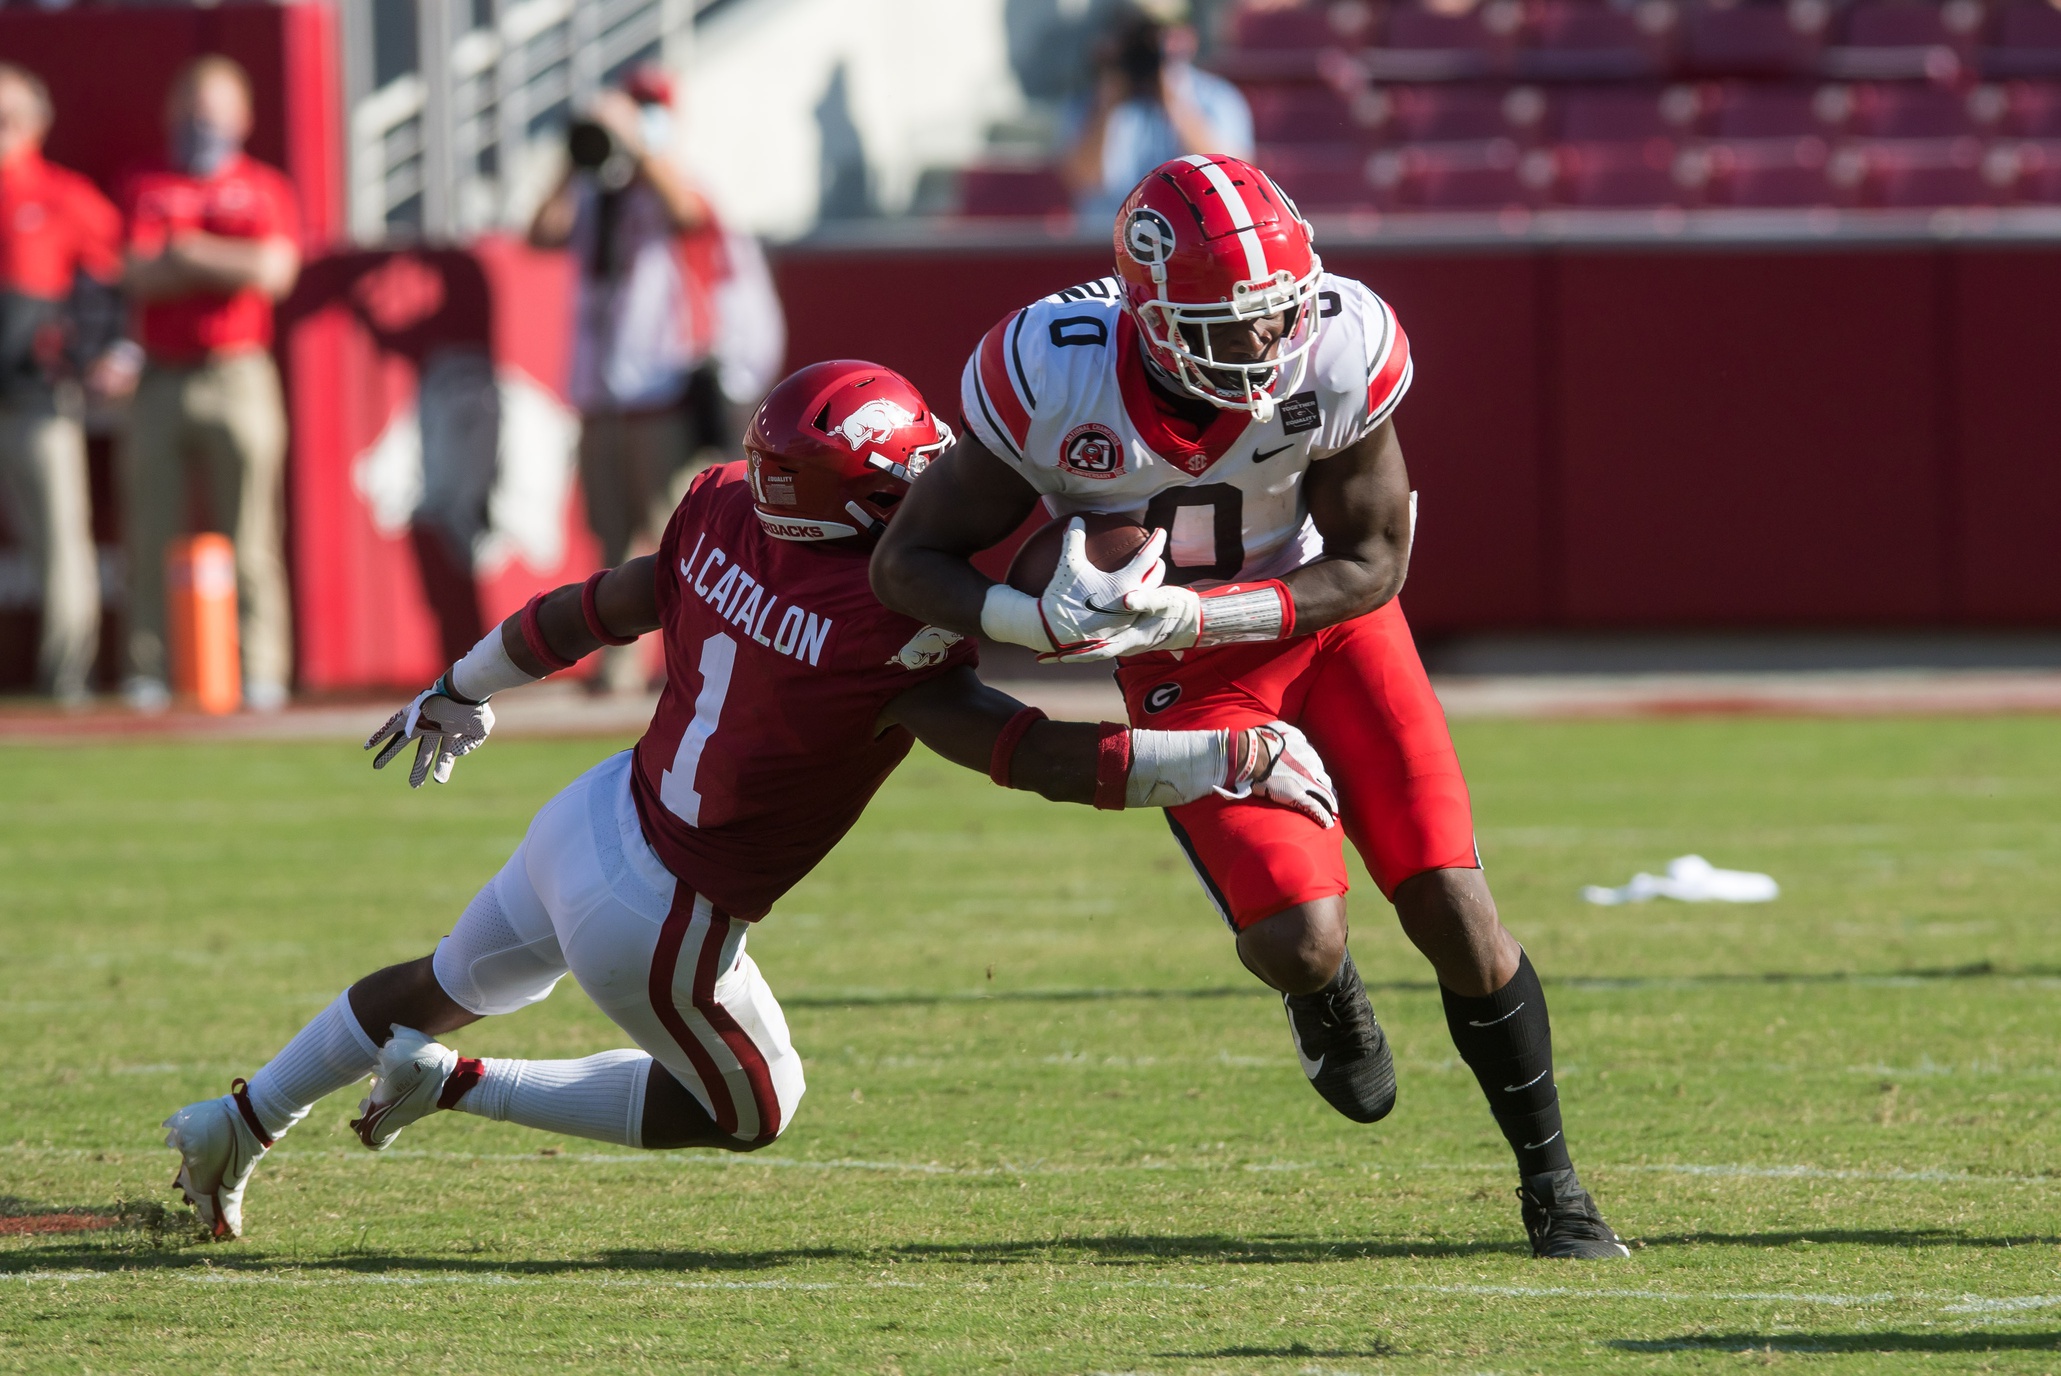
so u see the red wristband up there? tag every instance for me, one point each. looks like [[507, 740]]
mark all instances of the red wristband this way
[[589, 592], [533, 636], [1006, 743], [1112, 766]]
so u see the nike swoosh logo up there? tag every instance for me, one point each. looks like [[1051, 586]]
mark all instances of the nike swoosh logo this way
[[1493, 1021], [1512, 1089], [1310, 1069], [1262, 458]]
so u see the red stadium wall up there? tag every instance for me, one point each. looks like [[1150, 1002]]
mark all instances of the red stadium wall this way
[[1678, 438]]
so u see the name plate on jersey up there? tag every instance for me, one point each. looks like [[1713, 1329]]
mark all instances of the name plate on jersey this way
[[1300, 413]]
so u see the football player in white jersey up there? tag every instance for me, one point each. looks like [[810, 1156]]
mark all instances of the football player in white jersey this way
[[1225, 388]]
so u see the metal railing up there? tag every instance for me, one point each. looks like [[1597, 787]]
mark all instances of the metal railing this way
[[457, 108]]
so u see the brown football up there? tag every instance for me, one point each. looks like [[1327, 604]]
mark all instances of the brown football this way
[[1113, 540]]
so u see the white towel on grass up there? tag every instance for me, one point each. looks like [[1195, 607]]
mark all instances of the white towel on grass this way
[[1692, 879]]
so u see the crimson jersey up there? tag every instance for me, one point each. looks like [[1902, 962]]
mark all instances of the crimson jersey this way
[[778, 663]]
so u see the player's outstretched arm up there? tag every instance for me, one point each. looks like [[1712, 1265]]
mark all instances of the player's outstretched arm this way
[[450, 719], [1107, 765]]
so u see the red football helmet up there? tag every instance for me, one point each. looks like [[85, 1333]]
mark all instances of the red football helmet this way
[[834, 447], [1207, 239]]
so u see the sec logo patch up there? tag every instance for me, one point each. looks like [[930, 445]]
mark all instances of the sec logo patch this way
[[1092, 451], [1162, 697]]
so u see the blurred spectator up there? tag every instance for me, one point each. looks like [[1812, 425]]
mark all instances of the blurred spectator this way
[[60, 261], [1151, 104], [212, 243], [643, 375]]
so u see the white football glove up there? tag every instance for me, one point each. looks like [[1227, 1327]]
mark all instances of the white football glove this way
[[1085, 610], [445, 731], [1169, 618], [1278, 763]]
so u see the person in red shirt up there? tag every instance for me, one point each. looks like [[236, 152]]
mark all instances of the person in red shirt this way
[[212, 243], [791, 694], [59, 262]]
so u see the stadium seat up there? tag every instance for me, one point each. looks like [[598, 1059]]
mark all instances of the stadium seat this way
[[1321, 178], [1902, 111], [1463, 114], [1769, 173], [1622, 175], [1489, 176], [1423, 44], [1582, 40], [1276, 44], [1926, 172], [1754, 39], [2036, 172], [1624, 114], [1891, 40], [1761, 110], [2025, 41], [1304, 112], [2032, 109], [1019, 192]]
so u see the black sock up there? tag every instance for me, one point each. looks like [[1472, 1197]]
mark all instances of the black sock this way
[[1508, 1044]]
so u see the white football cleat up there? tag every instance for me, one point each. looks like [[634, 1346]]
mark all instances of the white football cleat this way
[[416, 1076], [218, 1146]]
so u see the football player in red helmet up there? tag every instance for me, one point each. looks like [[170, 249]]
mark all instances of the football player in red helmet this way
[[1225, 387], [790, 695]]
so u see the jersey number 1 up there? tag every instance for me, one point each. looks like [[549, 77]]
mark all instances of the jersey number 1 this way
[[676, 786]]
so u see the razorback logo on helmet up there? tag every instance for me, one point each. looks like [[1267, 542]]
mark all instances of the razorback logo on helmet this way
[[874, 423], [1149, 236], [1092, 451]]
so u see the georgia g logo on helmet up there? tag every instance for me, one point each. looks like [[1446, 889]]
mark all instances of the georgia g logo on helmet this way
[[874, 423], [1149, 237]]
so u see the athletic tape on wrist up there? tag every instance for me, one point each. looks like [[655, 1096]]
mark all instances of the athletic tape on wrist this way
[[1007, 741], [448, 688], [1112, 766], [590, 608], [1246, 612], [533, 636]]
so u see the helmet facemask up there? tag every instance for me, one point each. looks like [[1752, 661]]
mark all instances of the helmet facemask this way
[[1177, 339]]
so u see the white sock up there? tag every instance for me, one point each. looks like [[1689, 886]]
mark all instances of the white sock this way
[[323, 1057], [600, 1096]]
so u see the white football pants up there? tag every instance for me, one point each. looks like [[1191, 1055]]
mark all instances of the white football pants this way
[[585, 892]]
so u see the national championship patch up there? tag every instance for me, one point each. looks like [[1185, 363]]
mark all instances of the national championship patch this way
[[1092, 451], [1299, 413]]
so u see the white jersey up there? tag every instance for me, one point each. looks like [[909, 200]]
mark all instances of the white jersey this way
[[1059, 391]]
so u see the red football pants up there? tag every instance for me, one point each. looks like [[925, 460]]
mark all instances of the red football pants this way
[[1358, 691]]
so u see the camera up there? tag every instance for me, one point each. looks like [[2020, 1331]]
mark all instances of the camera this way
[[593, 148]]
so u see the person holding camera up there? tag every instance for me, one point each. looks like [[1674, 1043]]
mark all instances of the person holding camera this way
[[1151, 104], [642, 376]]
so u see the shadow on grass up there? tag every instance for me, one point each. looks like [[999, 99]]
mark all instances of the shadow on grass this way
[[1748, 1343], [1291, 1350], [919, 998], [1860, 1237], [115, 1255]]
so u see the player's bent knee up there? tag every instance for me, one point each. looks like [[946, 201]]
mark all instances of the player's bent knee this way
[[1298, 949]]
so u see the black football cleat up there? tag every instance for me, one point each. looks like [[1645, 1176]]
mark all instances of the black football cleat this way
[[1563, 1220], [1341, 1047]]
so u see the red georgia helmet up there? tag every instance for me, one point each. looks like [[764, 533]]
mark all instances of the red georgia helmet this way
[[1206, 239], [834, 447]]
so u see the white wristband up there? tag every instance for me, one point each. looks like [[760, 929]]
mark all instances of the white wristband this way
[[1169, 768], [1013, 616], [487, 669]]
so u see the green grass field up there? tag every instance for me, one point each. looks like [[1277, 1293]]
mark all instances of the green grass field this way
[[1051, 1125]]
